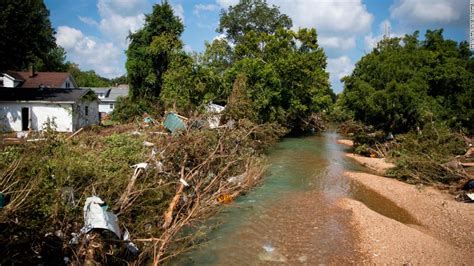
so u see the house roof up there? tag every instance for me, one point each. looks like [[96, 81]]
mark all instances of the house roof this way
[[111, 93], [42, 94], [46, 79], [104, 91]]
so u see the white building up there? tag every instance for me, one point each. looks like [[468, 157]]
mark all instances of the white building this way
[[108, 97], [65, 109]]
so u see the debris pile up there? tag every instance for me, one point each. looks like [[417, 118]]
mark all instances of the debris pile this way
[[160, 182]]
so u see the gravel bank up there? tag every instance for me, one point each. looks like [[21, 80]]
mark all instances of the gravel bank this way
[[444, 235]]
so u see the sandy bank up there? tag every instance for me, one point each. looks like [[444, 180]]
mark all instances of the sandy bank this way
[[386, 241], [346, 142], [378, 165], [444, 235]]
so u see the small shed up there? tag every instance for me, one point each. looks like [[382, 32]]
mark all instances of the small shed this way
[[66, 110]]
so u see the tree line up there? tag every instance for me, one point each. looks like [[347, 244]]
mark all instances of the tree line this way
[[28, 41], [406, 82], [278, 73]]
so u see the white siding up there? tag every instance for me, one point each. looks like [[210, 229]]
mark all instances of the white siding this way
[[105, 107], [40, 114], [66, 82], [8, 82]]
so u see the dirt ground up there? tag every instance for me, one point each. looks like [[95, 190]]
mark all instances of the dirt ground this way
[[377, 165], [346, 142], [443, 234]]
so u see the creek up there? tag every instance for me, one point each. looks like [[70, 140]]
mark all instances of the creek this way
[[292, 217]]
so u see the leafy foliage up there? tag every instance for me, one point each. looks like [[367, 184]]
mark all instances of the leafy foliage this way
[[251, 15], [150, 50], [27, 35], [404, 83], [88, 78]]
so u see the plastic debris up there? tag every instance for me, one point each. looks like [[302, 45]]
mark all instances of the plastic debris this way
[[2, 200], [148, 144], [143, 166], [136, 133], [469, 185], [268, 248], [174, 122], [470, 195], [225, 199], [96, 216], [215, 117], [130, 245], [271, 254], [184, 182], [236, 179]]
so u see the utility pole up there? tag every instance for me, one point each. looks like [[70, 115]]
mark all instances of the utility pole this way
[[471, 25]]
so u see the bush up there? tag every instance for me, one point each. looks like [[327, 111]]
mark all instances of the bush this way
[[126, 110]]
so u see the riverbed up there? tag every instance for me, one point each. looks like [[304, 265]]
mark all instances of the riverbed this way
[[310, 211], [292, 216]]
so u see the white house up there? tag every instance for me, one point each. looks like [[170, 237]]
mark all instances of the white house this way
[[108, 97], [66, 109], [32, 79]]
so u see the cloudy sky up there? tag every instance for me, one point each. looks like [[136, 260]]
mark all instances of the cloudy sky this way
[[93, 32]]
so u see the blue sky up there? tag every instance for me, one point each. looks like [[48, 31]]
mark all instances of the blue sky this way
[[93, 32]]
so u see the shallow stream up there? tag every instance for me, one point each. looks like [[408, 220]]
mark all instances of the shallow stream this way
[[292, 217]]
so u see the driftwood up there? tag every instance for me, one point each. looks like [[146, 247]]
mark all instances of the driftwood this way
[[75, 133]]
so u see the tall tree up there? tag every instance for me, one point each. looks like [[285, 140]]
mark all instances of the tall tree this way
[[26, 34], [251, 15], [151, 49], [405, 82]]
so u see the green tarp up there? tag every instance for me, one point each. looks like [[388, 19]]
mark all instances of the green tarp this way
[[174, 123]]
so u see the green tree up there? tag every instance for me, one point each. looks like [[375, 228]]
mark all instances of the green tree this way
[[286, 77], [27, 36], [87, 78], [404, 83], [251, 15], [54, 61], [150, 50]]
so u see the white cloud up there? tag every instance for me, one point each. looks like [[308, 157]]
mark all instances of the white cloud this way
[[67, 37], [328, 16], [227, 3], [90, 53], [89, 21], [428, 11], [179, 11], [335, 42], [338, 68], [119, 17], [204, 8]]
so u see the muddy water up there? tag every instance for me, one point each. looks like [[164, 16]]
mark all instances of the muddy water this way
[[292, 217]]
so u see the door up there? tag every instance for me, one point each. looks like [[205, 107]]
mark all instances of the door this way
[[25, 118]]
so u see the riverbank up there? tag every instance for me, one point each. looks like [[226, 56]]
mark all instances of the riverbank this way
[[376, 165], [440, 231]]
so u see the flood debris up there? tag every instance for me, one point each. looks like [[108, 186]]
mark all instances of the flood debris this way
[[270, 254], [214, 114], [96, 216], [174, 122], [159, 193]]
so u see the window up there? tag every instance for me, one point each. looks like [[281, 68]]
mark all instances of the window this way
[[86, 110], [111, 106], [68, 84]]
